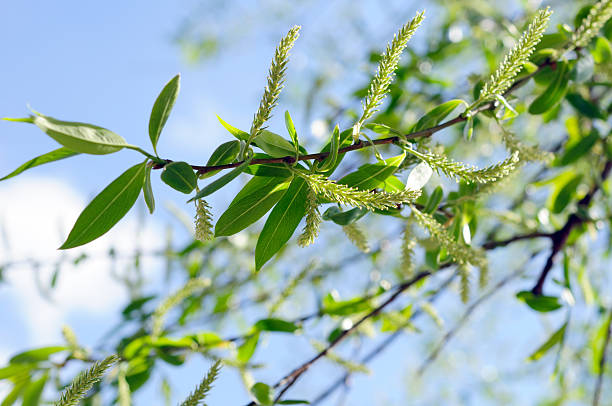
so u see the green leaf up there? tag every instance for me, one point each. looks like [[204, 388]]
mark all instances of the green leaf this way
[[80, 137], [15, 393], [282, 222], [274, 145], [419, 176], [269, 170], [224, 154], [162, 108], [331, 159], [293, 402], [15, 369], [584, 107], [554, 92], [56, 155], [179, 176], [564, 193], [222, 181], [602, 51], [147, 190], [370, 176], [344, 218], [292, 132], [36, 355], [578, 149], [277, 325], [264, 394], [258, 196], [33, 392], [434, 200], [539, 303], [107, 208], [555, 338], [437, 114], [344, 308], [241, 135], [247, 349]]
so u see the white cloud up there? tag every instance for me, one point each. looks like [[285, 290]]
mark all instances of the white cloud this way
[[37, 215]]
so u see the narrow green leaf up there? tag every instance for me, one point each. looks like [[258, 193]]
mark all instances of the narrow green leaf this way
[[33, 392], [292, 132], [224, 154], [80, 137], [241, 135], [584, 107], [222, 181], [553, 340], [15, 393], [554, 93], [148, 190], [258, 196], [437, 114], [331, 159], [56, 155], [274, 145], [107, 208], [247, 349], [264, 394], [293, 402], [36, 355], [578, 149], [282, 222], [562, 196], [162, 108], [434, 200], [276, 325], [16, 369], [539, 303], [370, 176], [179, 176], [344, 218]]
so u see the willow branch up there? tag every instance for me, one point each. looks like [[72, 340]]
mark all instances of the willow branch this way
[[427, 132], [559, 237]]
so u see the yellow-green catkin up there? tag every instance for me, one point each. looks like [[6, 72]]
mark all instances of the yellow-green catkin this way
[[313, 220], [356, 235], [203, 221]]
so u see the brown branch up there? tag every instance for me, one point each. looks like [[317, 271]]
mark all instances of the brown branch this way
[[602, 362], [559, 237], [503, 243], [288, 380], [428, 132]]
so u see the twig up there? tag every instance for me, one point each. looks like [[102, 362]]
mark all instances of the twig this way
[[602, 362], [503, 243], [463, 320], [559, 237], [427, 132], [337, 384], [288, 380]]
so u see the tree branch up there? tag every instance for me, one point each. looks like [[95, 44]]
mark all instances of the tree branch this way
[[288, 380], [428, 132], [559, 237]]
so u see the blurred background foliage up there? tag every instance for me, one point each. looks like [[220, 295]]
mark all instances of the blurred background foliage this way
[[500, 351]]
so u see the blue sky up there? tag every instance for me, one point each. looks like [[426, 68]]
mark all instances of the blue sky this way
[[104, 63]]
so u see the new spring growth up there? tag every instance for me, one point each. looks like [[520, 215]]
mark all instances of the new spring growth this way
[[84, 382], [276, 81], [349, 196], [513, 62], [313, 220], [197, 397], [379, 87], [203, 221], [356, 235]]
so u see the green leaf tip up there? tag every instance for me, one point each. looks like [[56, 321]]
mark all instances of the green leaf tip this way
[[107, 208], [161, 109]]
